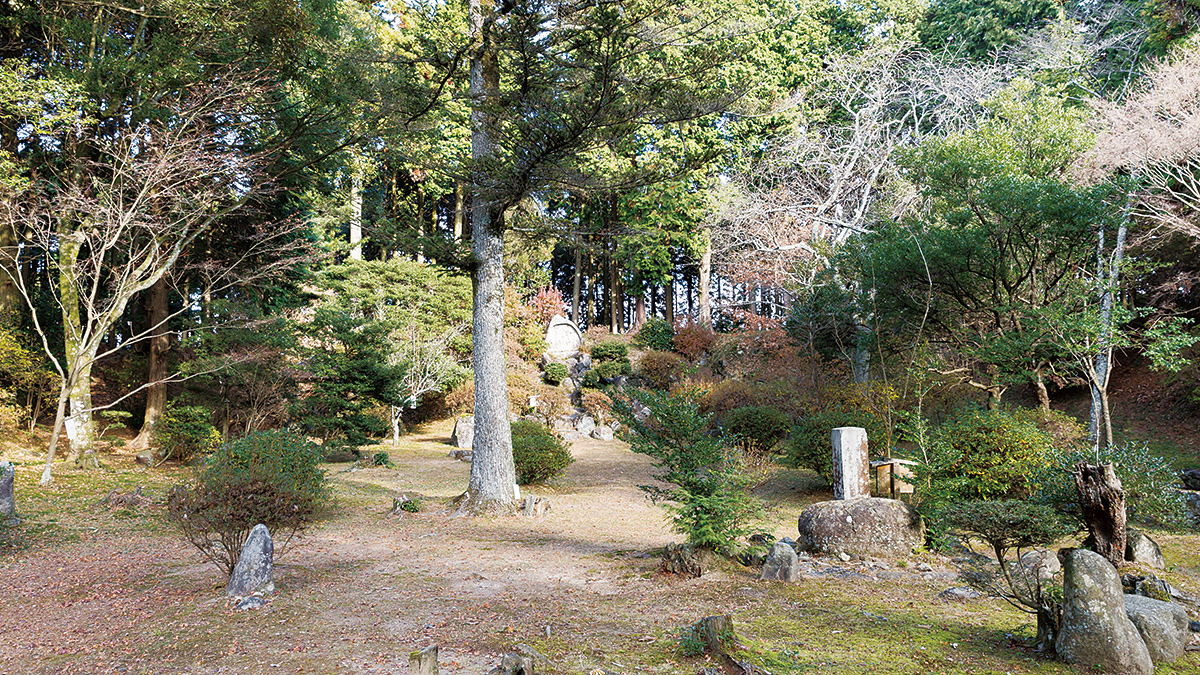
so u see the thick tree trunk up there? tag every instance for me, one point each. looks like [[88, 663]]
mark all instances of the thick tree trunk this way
[[862, 353], [576, 282], [1039, 385], [10, 297], [80, 350], [81, 429], [493, 485], [669, 300], [1102, 503], [639, 309], [160, 344], [356, 206]]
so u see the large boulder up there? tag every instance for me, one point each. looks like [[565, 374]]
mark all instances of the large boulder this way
[[464, 432], [863, 526], [254, 572], [1095, 630], [586, 425], [783, 564], [1141, 549], [1190, 478], [1163, 626]]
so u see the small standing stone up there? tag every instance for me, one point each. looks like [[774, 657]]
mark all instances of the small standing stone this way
[[585, 425], [253, 572], [8, 503], [602, 433], [513, 664], [464, 432], [782, 565], [424, 661], [850, 465]]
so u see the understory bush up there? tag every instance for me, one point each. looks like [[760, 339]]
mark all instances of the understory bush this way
[[183, 432], [537, 453], [268, 477], [808, 445], [1147, 479], [709, 497], [611, 369], [555, 373], [656, 334], [598, 405], [758, 428], [661, 368], [609, 351], [694, 341]]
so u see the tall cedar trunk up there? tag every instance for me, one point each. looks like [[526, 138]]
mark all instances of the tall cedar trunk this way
[[592, 318], [160, 343], [639, 309], [10, 297], [705, 282], [1102, 503], [669, 299], [576, 280], [493, 483], [356, 206]]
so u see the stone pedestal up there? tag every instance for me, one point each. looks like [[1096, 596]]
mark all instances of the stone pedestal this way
[[850, 466]]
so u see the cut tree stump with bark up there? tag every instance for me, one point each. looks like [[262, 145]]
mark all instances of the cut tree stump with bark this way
[[1102, 502]]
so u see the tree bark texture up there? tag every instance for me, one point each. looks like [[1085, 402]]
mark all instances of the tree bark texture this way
[[160, 343], [356, 206], [1102, 502], [493, 484], [705, 281]]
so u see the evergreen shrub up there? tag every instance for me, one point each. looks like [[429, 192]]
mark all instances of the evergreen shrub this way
[[661, 369], [555, 373], [656, 334], [609, 351], [537, 453], [183, 432], [809, 445], [757, 428]]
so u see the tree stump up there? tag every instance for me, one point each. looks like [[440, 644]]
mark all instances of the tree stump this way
[[1102, 502]]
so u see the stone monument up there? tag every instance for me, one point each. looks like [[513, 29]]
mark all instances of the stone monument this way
[[850, 466], [563, 338]]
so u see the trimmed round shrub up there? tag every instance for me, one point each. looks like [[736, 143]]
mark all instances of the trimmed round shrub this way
[[609, 351], [661, 369], [555, 373], [758, 428], [809, 443], [611, 369], [537, 453], [269, 477], [183, 432], [656, 334], [727, 395], [590, 379], [694, 341]]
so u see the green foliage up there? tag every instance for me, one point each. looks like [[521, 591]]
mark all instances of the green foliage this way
[[758, 428], [609, 351], [662, 369], [590, 379], [555, 373], [183, 432], [978, 455], [538, 454], [609, 370], [1006, 525], [709, 499], [381, 459], [810, 446], [411, 506], [268, 477], [1149, 482], [980, 27], [656, 334]]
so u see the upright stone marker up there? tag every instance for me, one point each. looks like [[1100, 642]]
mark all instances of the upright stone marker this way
[[8, 503], [563, 338], [850, 466], [254, 571]]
